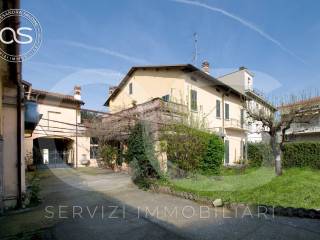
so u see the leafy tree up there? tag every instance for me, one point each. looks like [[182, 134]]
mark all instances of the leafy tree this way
[[140, 154], [109, 154], [292, 110]]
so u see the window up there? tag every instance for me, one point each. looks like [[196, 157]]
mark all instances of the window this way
[[218, 108], [194, 102], [166, 98], [226, 111], [130, 88], [94, 148]]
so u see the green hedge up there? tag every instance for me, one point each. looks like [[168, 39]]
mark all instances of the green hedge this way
[[259, 154], [191, 149], [301, 154], [213, 159]]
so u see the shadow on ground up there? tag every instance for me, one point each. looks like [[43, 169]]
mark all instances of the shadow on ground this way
[[99, 204]]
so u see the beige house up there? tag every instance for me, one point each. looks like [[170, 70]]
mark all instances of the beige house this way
[[212, 102], [59, 138], [243, 81]]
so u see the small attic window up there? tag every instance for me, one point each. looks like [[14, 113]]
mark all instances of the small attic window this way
[[130, 88], [166, 98]]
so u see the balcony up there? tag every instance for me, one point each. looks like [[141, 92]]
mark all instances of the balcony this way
[[303, 129], [235, 124]]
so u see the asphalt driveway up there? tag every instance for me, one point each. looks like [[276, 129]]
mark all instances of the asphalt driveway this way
[[99, 204]]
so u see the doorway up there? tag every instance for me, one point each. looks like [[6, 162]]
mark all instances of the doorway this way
[[53, 152]]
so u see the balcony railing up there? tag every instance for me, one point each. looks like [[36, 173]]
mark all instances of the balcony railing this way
[[235, 124], [303, 129]]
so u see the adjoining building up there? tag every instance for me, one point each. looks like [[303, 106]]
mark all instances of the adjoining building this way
[[305, 130], [12, 177], [243, 81], [214, 102], [59, 139]]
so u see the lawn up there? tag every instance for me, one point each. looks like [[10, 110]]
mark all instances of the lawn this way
[[295, 188]]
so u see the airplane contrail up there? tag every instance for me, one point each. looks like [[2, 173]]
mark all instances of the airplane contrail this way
[[106, 51], [243, 22]]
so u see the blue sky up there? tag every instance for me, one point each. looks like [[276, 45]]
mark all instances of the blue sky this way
[[93, 43]]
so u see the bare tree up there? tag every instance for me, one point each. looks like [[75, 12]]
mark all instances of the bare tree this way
[[293, 109]]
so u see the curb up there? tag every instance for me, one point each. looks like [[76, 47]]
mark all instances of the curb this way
[[240, 207]]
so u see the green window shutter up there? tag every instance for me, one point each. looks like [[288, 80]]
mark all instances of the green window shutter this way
[[194, 101], [242, 118], [130, 88], [218, 108], [226, 109]]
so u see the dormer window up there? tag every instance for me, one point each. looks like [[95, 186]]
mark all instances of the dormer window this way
[[166, 98]]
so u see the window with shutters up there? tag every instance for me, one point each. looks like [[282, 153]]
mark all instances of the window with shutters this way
[[218, 108], [194, 101], [130, 88], [227, 111]]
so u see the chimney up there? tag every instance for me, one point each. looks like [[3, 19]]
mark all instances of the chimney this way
[[205, 67], [111, 89], [77, 92], [242, 68]]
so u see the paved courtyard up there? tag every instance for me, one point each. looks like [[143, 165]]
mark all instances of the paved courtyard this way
[[99, 204]]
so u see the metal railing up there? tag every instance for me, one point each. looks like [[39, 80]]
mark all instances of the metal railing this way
[[235, 123], [303, 129]]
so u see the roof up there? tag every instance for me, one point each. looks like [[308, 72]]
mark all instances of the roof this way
[[238, 70], [55, 96], [313, 100], [24, 82], [189, 68], [260, 99]]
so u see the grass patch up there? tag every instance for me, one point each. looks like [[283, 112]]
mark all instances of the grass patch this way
[[295, 188]]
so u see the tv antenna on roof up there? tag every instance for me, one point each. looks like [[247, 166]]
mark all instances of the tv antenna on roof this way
[[195, 53]]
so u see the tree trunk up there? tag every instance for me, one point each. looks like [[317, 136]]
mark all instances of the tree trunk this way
[[276, 154], [278, 167]]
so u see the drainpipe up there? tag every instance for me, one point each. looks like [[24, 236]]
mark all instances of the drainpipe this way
[[222, 103], [15, 72], [77, 138], [19, 142]]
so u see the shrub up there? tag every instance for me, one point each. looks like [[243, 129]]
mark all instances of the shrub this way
[[213, 159], [259, 154], [32, 196], [188, 149], [301, 154], [109, 154], [140, 154]]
